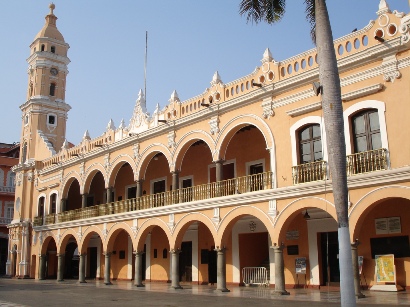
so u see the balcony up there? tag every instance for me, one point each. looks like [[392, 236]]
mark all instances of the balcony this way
[[367, 161], [309, 172], [239, 185], [359, 163], [7, 190], [5, 221]]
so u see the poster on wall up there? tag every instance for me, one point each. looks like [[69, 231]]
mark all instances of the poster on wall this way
[[300, 265], [360, 261], [385, 271]]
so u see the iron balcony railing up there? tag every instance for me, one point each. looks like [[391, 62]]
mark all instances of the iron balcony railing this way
[[367, 161], [237, 185], [5, 220], [359, 163], [7, 189], [309, 172]]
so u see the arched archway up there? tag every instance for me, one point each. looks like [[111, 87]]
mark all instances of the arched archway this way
[[244, 233], [155, 172], [117, 163], [251, 138], [236, 124], [68, 248], [194, 236], [122, 182], [154, 239], [148, 154], [72, 192], [94, 188], [49, 251], [307, 227], [381, 223], [91, 246], [120, 246], [187, 141], [193, 163]]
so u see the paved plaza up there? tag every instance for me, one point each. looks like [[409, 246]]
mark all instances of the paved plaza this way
[[30, 292]]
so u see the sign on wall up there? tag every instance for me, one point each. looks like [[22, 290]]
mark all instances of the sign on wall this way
[[385, 271], [300, 265], [292, 235], [388, 225]]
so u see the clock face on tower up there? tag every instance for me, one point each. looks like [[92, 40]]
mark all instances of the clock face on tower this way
[[54, 71]]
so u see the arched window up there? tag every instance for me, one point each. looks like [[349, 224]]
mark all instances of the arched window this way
[[41, 201], [53, 202], [52, 89], [310, 144], [366, 131], [42, 47], [53, 49]]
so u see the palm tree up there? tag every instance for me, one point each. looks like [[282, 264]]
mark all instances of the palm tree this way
[[271, 11]]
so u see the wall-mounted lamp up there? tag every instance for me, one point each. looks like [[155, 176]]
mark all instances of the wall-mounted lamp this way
[[317, 88], [306, 215], [378, 38], [256, 84]]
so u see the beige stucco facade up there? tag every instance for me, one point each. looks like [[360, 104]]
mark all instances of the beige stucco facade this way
[[235, 170]]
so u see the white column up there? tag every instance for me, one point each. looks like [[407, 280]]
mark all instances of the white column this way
[[24, 264]]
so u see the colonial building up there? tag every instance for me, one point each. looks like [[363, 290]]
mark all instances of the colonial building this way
[[9, 156], [227, 187]]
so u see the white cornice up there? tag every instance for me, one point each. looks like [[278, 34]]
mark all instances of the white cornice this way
[[354, 182], [362, 92], [46, 57], [305, 109], [44, 101]]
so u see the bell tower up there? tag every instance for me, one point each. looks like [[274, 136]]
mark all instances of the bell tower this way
[[45, 111]]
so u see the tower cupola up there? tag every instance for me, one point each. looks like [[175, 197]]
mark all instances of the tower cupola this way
[[50, 28]]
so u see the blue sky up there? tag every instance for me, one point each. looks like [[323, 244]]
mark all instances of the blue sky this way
[[188, 41]]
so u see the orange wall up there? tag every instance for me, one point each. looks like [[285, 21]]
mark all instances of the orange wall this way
[[299, 224], [119, 266], [205, 241], [159, 265], [157, 169], [196, 161]]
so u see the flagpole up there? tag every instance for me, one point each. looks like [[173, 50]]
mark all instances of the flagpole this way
[[145, 65]]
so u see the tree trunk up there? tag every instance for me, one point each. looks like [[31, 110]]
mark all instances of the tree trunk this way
[[333, 118]]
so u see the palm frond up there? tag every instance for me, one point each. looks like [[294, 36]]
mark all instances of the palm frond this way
[[256, 11], [311, 18]]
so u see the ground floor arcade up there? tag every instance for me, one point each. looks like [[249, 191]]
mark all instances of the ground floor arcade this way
[[215, 245]]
